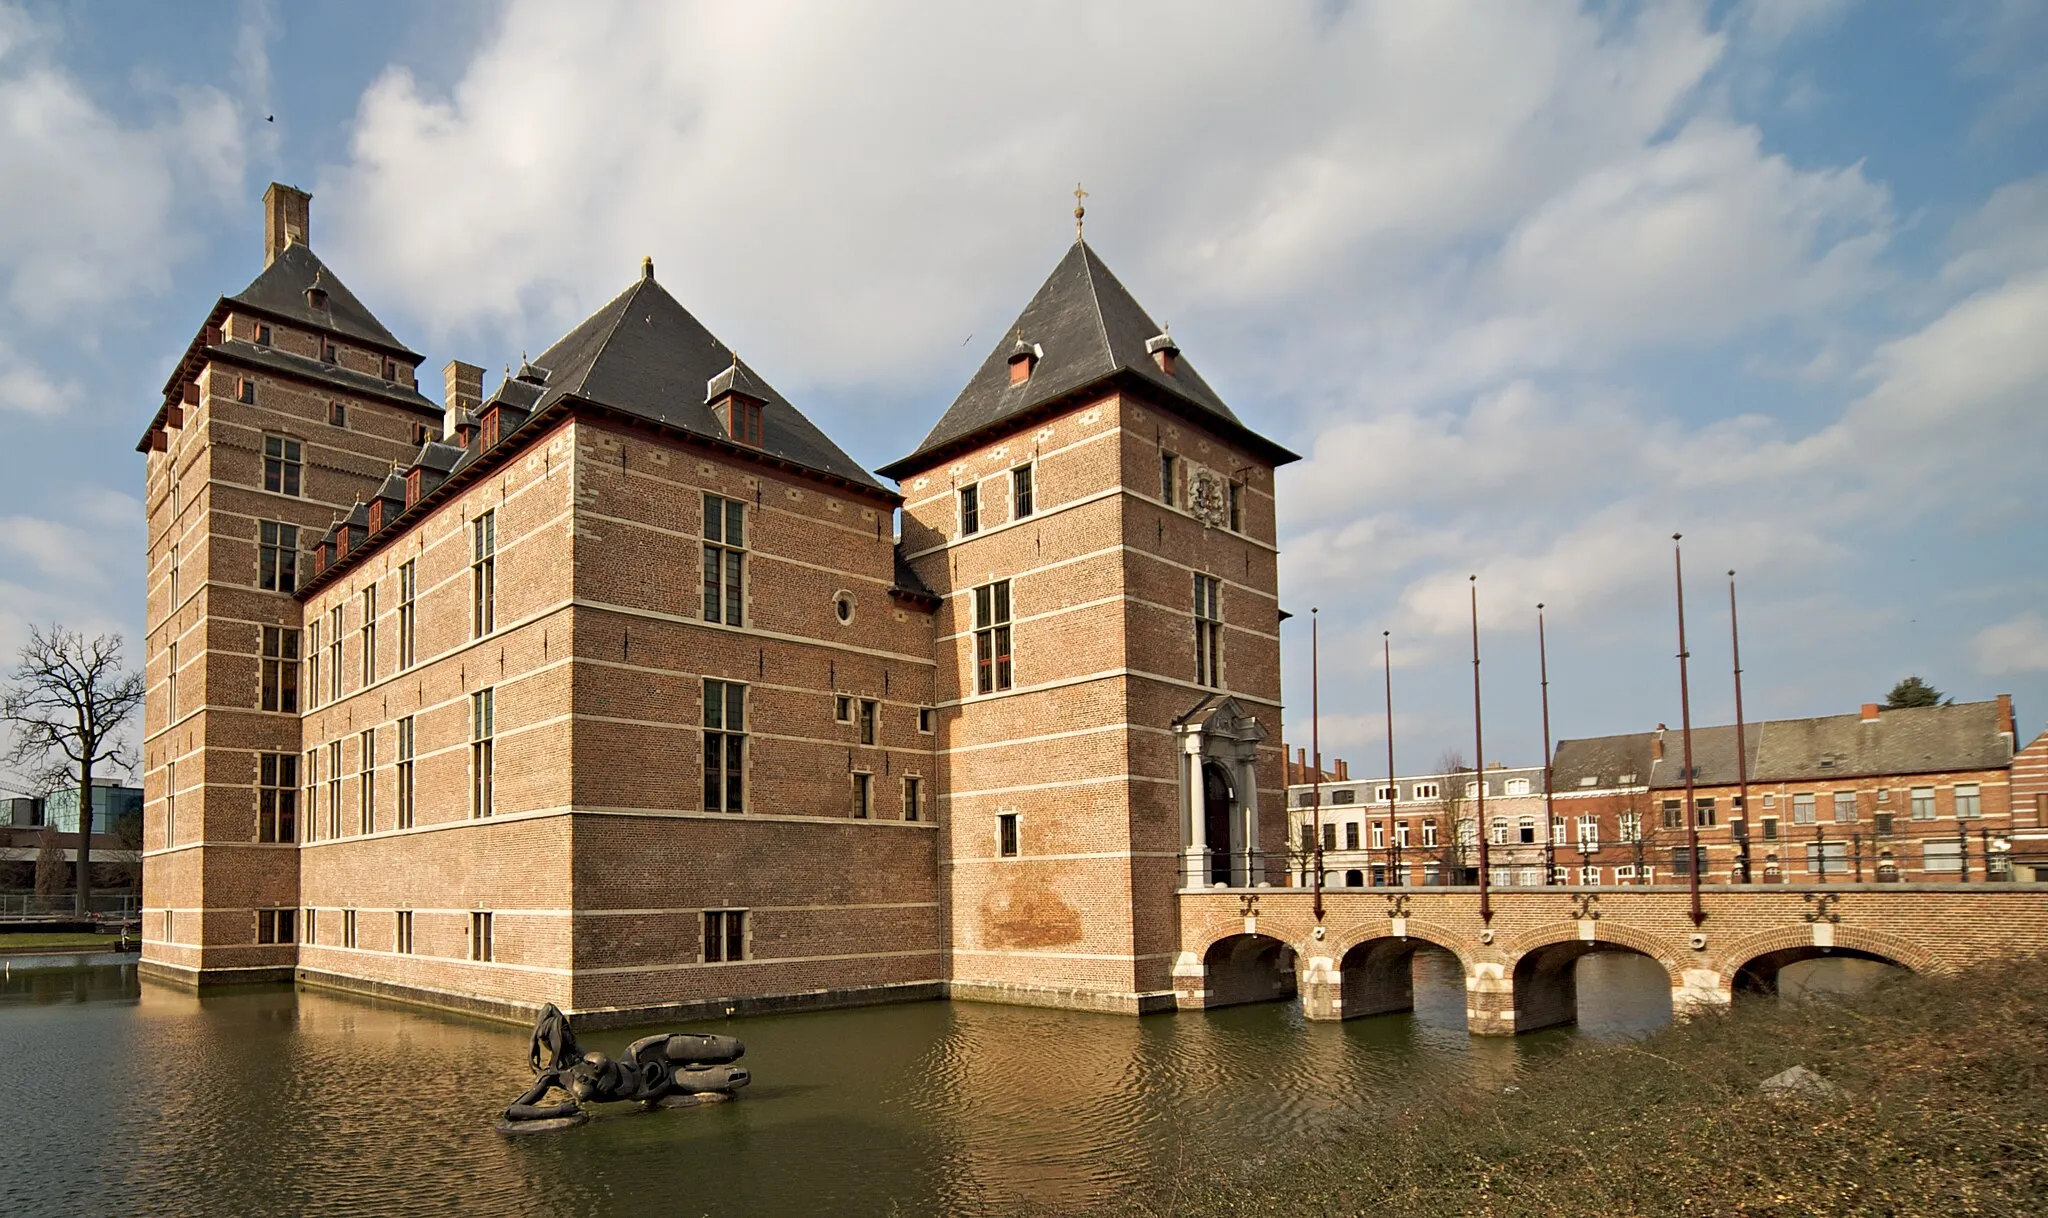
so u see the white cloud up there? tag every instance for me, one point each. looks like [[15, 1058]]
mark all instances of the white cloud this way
[[2018, 644], [26, 387]]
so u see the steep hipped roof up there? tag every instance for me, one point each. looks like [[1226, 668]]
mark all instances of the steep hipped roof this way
[[644, 354], [281, 292], [1089, 329], [1916, 740]]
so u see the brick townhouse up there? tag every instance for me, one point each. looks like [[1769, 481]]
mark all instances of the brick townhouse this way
[[1934, 793], [623, 687]]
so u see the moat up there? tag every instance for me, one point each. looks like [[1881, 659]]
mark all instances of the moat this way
[[137, 1098]]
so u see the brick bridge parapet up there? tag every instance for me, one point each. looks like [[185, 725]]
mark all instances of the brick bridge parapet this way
[[1517, 966]]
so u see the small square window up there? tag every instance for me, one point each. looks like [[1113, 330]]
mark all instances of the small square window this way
[[419, 433], [390, 370], [245, 390], [327, 353], [337, 415], [842, 709], [263, 336]]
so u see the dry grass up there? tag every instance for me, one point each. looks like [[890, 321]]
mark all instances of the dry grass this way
[[1944, 1110]]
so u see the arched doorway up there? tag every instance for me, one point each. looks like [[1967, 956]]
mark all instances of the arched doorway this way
[[1547, 981], [1765, 975], [1248, 968], [1217, 800]]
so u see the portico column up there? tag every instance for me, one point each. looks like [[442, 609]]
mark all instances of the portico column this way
[[1197, 863], [1248, 810]]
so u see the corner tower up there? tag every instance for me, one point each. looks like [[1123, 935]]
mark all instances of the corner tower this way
[[1099, 528], [291, 403]]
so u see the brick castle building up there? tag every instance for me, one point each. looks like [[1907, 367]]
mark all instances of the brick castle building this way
[[625, 688]]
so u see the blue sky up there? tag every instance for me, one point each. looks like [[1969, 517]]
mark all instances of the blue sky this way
[[1531, 287]]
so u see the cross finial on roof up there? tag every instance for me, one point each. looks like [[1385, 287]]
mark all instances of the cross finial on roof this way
[[1079, 210], [647, 267]]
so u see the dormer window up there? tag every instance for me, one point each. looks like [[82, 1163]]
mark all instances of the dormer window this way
[[413, 479], [742, 419], [316, 298], [490, 431], [1024, 357], [1164, 351]]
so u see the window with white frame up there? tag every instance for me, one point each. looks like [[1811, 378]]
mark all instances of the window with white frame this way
[[1498, 831], [1558, 829], [1969, 801], [1923, 803], [1516, 786], [1589, 831], [1942, 855], [1845, 807], [1803, 810], [1426, 790], [1429, 833], [1629, 826], [1589, 874]]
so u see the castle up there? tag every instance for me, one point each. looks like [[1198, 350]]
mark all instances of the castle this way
[[625, 688]]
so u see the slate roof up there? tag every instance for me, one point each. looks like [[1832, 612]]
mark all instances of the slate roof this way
[[645, 355], [1089, 329], [281, 292], [1916, 740]]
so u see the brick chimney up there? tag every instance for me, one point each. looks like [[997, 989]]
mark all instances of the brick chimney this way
[[1870, 712], [463, 390], [1657, 745], [287, 217], [1343, 770], [2007, 726]]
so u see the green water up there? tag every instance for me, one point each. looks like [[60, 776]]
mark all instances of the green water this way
[[133, 1098]]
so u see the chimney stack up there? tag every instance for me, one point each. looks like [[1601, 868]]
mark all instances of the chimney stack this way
[[287, 217], [1657, 747], [463, 392], [1870, 710]]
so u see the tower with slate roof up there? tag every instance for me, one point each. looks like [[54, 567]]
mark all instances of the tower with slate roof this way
[[1098, 527]]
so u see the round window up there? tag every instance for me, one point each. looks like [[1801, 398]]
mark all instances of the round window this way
[[843, 606]]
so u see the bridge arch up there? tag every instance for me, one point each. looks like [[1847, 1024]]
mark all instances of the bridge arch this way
[[1753, 964], [1375, 966], [1245, 968], [1544, 976]]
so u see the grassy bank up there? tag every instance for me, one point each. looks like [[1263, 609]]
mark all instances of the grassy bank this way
[[31, 942], [1943, 1109]]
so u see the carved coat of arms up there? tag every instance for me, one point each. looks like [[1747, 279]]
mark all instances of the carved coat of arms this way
[[1209, 499]]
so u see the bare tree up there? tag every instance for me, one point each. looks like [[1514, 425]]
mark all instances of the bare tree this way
[[1451, 848], [50, 868], [67, 701]]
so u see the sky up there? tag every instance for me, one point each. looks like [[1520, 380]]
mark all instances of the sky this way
[[1531, 287]]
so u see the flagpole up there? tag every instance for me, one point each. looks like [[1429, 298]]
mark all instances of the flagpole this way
[[1479, 767], [1315, 742], [1549, 809], [1692, 820], [1741, 736]]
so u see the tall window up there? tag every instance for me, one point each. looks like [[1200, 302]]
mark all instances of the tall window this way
[[404, 775], [863, 795], [481, 713], [1169, 470], [369, 635], [348, 928], [1006, 834], [1705, 814], [1802, 810], [725, 745], [970, 510], [277, 557], [1629, 826], [1236, 504], [725, 935], [1208, 630], [281, 465], [334, 653], [1525, 830], [408, 575], [483, 573], [313, 662], [1923, 803], [913, 798], [1429, 833], [992, 637], [170, 805], [1020, 492], [334, 789], [311, 924], [401, 939], [280, 669], [1557, 831], [481, 948], [725, 543], [870, 714], [174, 576], [367, 796], [277, 800], [1674, 813], [1845, 807], [312, 801], [171, 694], [1969, 803], [1589, 831]]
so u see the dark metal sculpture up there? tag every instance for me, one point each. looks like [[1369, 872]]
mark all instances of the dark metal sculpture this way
[[656, 1068]]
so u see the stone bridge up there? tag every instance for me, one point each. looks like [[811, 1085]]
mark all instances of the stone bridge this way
[[1261, 944]]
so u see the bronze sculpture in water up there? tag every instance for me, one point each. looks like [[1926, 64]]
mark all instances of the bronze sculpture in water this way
[[655, 1069]]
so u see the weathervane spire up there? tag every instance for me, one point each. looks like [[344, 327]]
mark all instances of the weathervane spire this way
[[1080, 211]]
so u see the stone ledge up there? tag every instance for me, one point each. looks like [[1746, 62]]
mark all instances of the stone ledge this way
[[1106, 1001], [188, 978], [771, 1004]]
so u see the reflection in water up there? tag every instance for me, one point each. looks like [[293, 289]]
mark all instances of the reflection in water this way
[[263, 1100], [1834, 978]]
